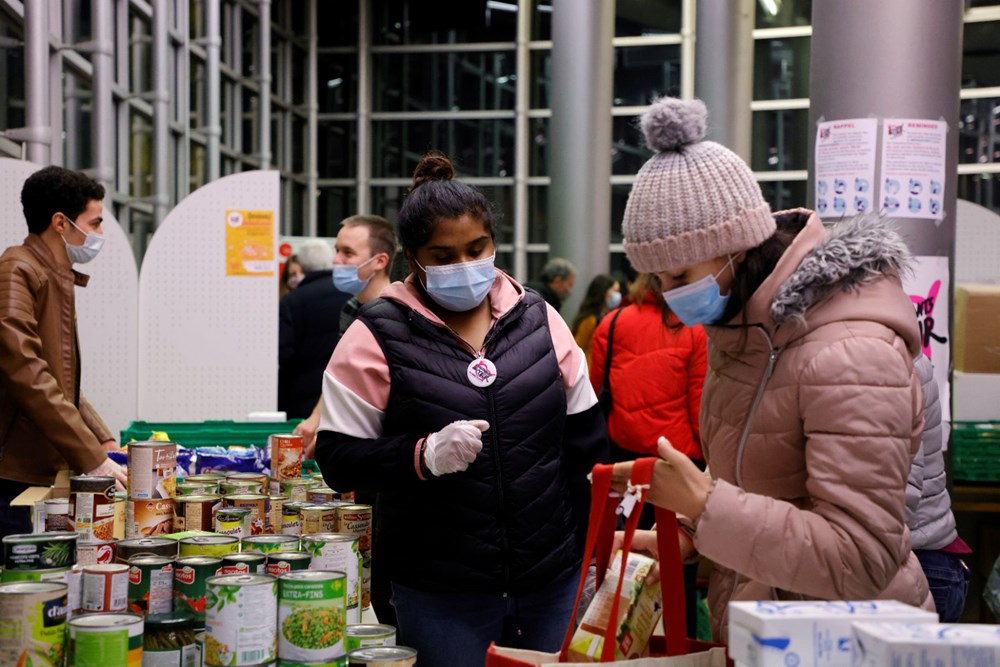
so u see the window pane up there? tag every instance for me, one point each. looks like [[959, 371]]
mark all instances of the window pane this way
[[298, 209], [445, 81], [981, 55], [197, 166], [333, 205], [196, 16], [780, 140], [338, 82], [781, 13], [140, 155], [538, 214], [77, 135], [336, 147], [198, 117], [250, 52], [979, 130], [783, 195], [536, 260], [141, 56], [628, 149], [444, 22], [538, 142], [77, 24], [338, 22], [647, 17], [541, 20], [619, 197], [644, 73], [982, 189], [781, 68], [477, 147], [300, 65], [249, 122], [12, 83], [299, 139]]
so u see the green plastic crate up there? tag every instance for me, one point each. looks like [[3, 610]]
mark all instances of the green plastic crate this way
[[975, 452]]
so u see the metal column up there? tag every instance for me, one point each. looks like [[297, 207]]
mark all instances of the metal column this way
[[364, 191], [213, 60], [264, 81], [161, 112], [892, 58], [580, 138], [37, 133], [724, 70], [312, 125], [522, 103], [103, 111]]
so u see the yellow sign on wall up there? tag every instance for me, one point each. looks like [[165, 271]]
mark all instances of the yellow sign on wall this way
[[249, 243]]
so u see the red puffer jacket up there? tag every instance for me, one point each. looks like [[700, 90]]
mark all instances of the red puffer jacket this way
[[657, 375]]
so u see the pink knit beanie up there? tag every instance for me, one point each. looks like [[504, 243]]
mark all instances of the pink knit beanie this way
[[694, 200]]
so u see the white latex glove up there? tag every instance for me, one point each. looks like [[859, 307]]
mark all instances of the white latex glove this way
[[111, 469], [454, 447]]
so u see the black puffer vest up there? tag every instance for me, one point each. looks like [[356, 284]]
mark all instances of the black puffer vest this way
[[505, 524]]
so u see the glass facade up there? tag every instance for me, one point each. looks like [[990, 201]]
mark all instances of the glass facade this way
[[343, 105]]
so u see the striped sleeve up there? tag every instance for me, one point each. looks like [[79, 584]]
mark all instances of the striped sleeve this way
[[580, 394], [355, 386]]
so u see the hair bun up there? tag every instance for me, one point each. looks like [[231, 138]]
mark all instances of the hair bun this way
[[434, 166], [671, 123]]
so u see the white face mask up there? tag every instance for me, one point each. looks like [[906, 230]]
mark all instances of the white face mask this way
[[88, 250]]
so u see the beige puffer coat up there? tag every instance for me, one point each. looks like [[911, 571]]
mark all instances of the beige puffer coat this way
[[810, 420]]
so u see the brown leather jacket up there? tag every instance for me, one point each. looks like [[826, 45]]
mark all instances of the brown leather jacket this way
[[45, 422]]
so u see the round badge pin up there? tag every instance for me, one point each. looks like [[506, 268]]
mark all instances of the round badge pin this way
[[482, 372]]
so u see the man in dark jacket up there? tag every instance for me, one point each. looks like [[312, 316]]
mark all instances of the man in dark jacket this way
[[46, 425], [555, 282], [308, 330]]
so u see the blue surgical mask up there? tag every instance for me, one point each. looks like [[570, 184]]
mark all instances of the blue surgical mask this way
[[460, 287], [700, 302], [346, 279], [81, 254], [614, 300]]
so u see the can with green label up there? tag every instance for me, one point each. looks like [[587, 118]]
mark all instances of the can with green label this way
[[332, 662], [150, 584], [169, 641], [382, 656], [339, 552], [241, 621], [283, 562], [368, 634], [187, 488], [244, 563], [26, 557], [102, 640], [312, 615], [209, 545], [33, 621], [268, 543], [190, 575]]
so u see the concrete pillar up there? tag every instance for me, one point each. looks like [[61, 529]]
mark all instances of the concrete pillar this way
[[161, 113], [103, 113], [580, 139], [264, 81], [37, 133], [724, 70], [364, 191], [312, 123], [213, 74]]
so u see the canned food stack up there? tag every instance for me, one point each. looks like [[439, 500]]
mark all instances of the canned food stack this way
[[94, 513], [152, 479], [338, 552], [33, 615], [357, 520]]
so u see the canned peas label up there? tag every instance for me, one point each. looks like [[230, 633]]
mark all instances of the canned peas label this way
[[311, 618]]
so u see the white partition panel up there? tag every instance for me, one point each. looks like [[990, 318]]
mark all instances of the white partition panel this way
[[107, 309], [977, 244], [208, 341]]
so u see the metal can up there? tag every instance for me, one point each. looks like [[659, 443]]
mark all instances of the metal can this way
[[33, 618], [26, 555], [102, 640], [241, 620], [211, 477], [243, 563], [233, 521], [119, 522], [276, 505], [259, 505], [233, 487], [297, 488], [149, 518], [190, 575], [56, 515], [147, 546], [95, 553], [186, 488], [291, 517], [152, 470], [268, 543], [368, 634], [195, 512], [105, 588], [382, 656], [168, 640], [283, 562], [150, 584], [357, 520], [318, 519], [209, 545], [323, 494], [311, 611], [330, 662], [74, 590], [286, 456], [336, 551], [92, 506], [263, 482]]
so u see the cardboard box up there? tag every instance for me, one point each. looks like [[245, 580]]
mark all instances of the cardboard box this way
[[34, 498], [977, 328], [975, 397], [779, 634], [638, 613], [941, 645]]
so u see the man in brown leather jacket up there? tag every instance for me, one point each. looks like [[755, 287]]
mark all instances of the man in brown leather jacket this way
[[45, 422]]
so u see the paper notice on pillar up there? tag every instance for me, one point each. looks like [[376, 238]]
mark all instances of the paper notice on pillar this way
[[249, 243], [929, 287], [845, 166], [913, 161]]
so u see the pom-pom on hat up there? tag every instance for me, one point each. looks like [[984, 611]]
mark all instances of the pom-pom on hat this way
[[694, 200]]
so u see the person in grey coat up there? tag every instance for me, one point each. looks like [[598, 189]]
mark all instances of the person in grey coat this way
[[928, 509]]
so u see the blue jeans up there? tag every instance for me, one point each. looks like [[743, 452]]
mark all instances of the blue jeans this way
[[455, 629], [948, 578]]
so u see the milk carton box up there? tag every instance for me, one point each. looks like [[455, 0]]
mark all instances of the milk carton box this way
[[786, 634], [940, 645]]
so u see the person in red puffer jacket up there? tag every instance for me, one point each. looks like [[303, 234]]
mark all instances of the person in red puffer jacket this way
[[657, 373]]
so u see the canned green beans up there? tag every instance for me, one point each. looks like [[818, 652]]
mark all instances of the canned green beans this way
[[26, 556], [169, 641], [33, 621], [209, 545], [241, 620], [190, 576], [283, 562], [382, 656], [368, 634], [150, 584], [102, 640], [311, 611], [269, 543]]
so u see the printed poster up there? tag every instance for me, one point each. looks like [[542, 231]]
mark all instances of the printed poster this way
[[929, 288], [845, 166], [913, 162], [249, 243]]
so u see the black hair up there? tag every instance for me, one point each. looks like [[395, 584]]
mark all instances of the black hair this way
[[593, 303], [434, 196], [758, 264], [57, 190]]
